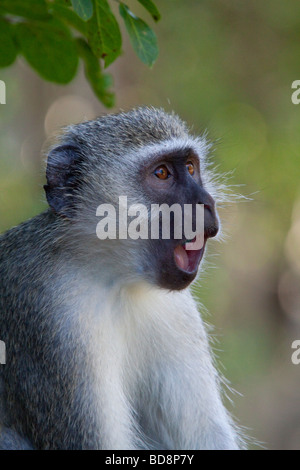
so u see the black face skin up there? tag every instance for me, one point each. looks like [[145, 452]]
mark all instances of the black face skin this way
[[179, 186]]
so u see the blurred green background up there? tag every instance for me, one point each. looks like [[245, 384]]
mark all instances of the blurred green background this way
[[226, 66]]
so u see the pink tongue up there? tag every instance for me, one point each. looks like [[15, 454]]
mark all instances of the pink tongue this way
[[181, 257]]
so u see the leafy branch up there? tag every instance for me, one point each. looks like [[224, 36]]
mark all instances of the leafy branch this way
[[53, 35]]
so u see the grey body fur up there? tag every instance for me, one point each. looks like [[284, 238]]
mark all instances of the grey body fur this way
[[98, 355]]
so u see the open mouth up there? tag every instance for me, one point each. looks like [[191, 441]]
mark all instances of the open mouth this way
[[188, 260]]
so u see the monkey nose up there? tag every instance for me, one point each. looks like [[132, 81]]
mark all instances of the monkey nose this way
[[211, 222]]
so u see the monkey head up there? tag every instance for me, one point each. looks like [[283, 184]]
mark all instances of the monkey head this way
[[147, 158]]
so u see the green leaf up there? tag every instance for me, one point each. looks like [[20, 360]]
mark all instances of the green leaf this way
[[62, 12], [83, 8], [149, 5], [8, 49], [142, 37], [49, 48], [104, 33], [99, 82], [32, 9]]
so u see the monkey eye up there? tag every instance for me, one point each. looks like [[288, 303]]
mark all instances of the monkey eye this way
[[190, 168], [162, 172]]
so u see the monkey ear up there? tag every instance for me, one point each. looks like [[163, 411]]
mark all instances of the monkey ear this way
[[63, 178]]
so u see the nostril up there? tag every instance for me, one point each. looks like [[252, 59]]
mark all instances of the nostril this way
[[209, 207]]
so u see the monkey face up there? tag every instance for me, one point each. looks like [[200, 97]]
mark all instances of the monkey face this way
[[158, 178], [174, 178]]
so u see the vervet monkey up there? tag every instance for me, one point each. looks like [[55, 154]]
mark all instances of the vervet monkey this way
[[105, 348]]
